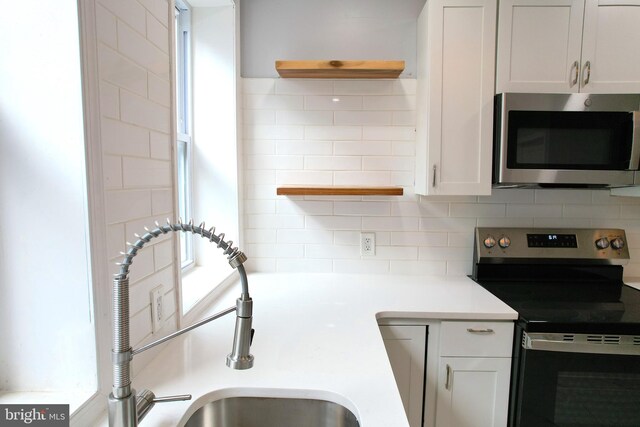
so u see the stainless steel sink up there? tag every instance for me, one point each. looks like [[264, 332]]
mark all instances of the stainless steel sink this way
[[272, 412]]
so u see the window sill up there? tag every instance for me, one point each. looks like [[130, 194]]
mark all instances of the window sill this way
[[198, 292]]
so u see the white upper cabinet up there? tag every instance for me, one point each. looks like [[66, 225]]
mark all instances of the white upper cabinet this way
[[567, 46], [456, 57]]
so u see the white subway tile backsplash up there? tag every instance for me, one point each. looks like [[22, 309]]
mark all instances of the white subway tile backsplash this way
[[141, 51], [157, 33], [389, 133], [329, 163], [418, 238], [318, 148], [284, 177], [361, 266], [332, 102], [257, 86], [391, 163], [273, 162], [363, 117], [332, 251], [109, 101], [144, 113], [274, 132], [146, 173], [468, 210], [362, 148], [123, 138], [159, 90], [304, 236], [123, 205], [120, 71], [304, 207], [304, 117], [115, 240], [261, 146], [159, 10], [362, 178], [304, 86], [364, 87], [130, 12], [362, 132], [106, 27], [112, 170], [268, 101], [160, 145], [391, 103], [322, 222], [393, 223], [161, 202], [362, 208], [163, 254], [333, 133], [534, 211], [259, 117]]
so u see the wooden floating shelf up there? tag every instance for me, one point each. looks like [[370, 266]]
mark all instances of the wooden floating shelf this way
[[340, 69], [337, 190]]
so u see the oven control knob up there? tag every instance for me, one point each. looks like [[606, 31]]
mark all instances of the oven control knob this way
[[504, 242], [602, 243], [489, 242], [617, 243]]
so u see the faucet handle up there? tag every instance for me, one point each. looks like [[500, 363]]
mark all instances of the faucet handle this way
[[174, 398]]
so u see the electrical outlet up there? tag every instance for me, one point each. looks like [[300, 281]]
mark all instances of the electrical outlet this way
[[157, 305], [367, 244]]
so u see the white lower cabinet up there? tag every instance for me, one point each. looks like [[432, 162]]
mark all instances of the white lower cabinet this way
[[452, 373], [406, 350], [473, 392], [473, 374]]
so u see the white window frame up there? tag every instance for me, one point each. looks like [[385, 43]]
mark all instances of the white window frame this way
[[184, 144]]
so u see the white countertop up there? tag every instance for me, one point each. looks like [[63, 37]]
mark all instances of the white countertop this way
[[316, 337]]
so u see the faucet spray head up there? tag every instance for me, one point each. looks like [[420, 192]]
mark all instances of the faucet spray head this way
[[240, 358]]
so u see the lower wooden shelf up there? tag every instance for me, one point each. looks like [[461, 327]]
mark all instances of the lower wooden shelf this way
[[337, 190]]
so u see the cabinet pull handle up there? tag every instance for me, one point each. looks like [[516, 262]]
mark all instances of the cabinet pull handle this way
[[576, 65], [447, 382], [433, 184], [587, 67], [480, 331]]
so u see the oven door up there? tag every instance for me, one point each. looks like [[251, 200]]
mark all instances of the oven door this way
[[570, 380]]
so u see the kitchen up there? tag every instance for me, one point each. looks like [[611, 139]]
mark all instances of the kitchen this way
[[284, 145]]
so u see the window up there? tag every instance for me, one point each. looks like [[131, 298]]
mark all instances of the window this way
[[184, 138]]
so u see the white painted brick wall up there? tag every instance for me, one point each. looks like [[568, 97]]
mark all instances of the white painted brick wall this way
[[133, 68], [361, 132]]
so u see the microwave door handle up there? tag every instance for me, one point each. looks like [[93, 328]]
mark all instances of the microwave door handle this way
[[634, 161]]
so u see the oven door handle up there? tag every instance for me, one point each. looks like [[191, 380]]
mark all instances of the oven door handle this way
[[583, 343]]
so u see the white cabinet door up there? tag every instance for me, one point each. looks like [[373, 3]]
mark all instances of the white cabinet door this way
[[566, 46], [611, 47], [539, 46], [473, 392], [456, 65], [406, 350]]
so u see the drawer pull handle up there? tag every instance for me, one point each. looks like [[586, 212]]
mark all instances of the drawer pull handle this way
[[480, 331], [447, 382]]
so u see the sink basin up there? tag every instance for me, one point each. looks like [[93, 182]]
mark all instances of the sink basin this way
[[272, 412]]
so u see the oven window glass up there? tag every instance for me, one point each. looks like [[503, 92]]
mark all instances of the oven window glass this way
[[569, 140], [562, 389]]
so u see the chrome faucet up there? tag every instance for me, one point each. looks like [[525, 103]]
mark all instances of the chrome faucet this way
[[126, 408]]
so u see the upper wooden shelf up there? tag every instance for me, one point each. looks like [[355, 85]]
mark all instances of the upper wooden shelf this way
[[340, 69], [337, 190]]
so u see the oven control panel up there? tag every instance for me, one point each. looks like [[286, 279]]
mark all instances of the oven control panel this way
[[503, 244]]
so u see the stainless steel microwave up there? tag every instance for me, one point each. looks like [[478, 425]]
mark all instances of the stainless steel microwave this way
[[566, 140]]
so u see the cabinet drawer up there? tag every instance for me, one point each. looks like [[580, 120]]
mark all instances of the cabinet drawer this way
[[490, 339]]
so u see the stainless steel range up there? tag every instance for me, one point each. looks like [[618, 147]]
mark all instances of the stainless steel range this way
[[576, 358]]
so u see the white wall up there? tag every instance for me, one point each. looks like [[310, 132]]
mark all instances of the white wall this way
[[46, 327], [328, 29], [296, 134]]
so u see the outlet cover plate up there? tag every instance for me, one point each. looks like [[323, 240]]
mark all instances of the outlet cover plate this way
[[157, 306], [367, 244]]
